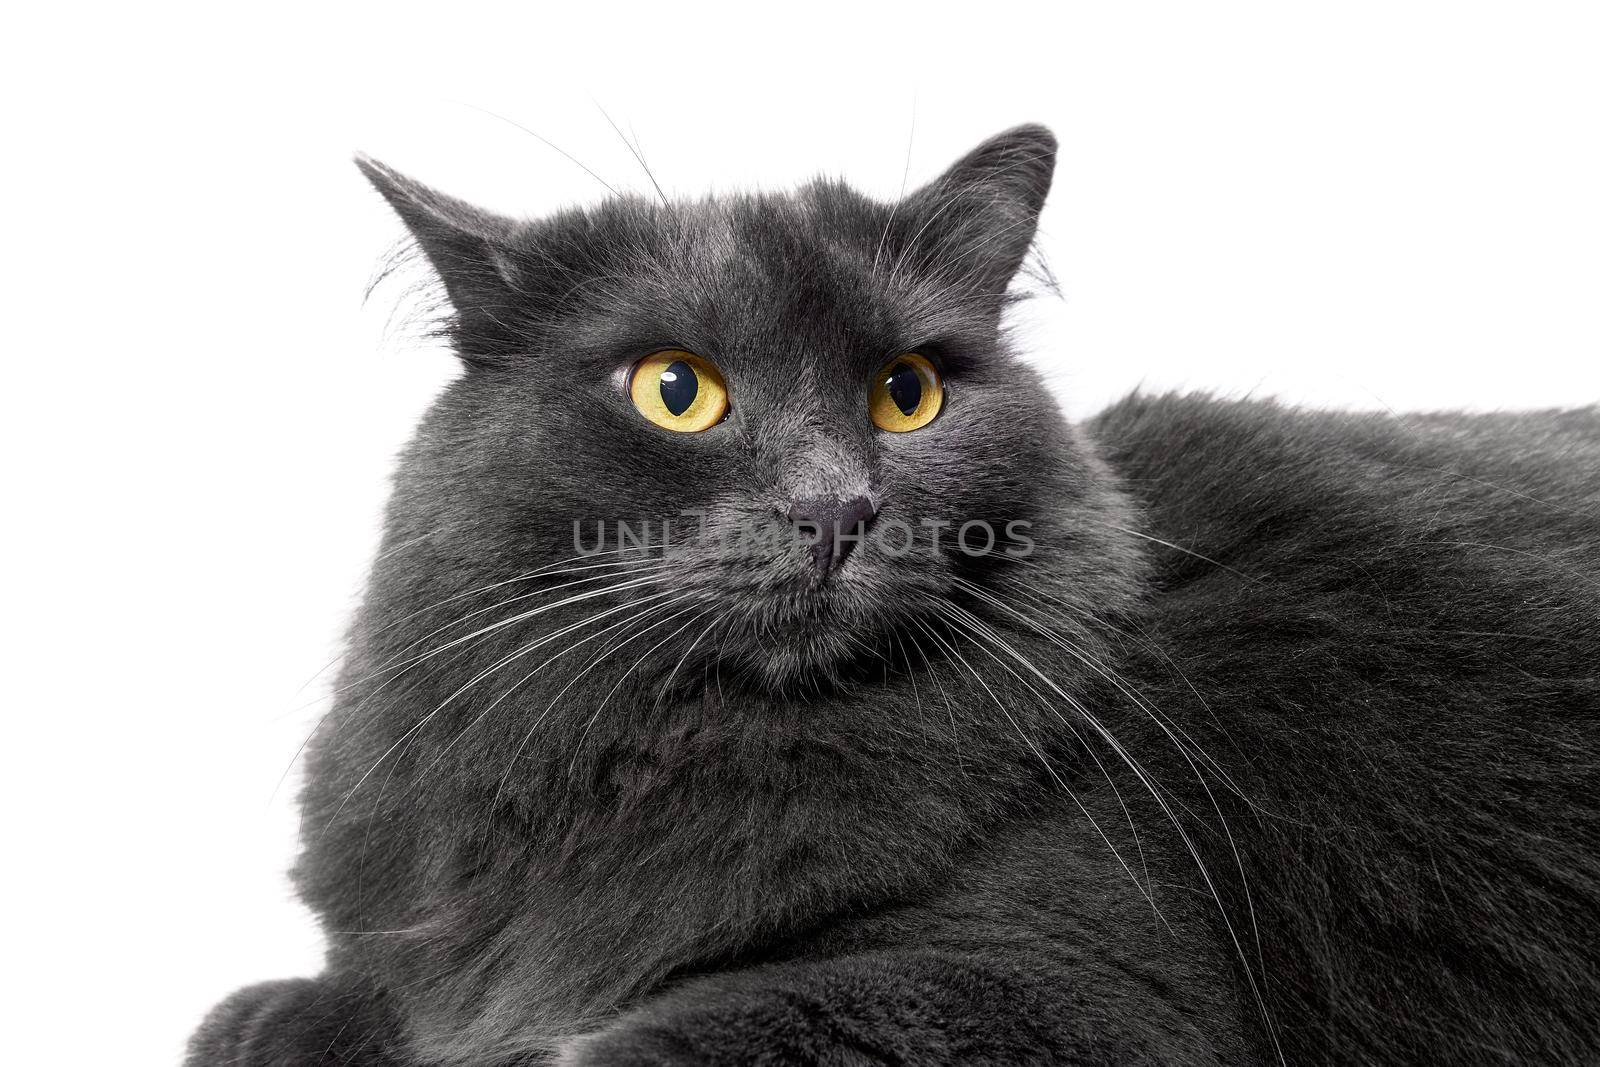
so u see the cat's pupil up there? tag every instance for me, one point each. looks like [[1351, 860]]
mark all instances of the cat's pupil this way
[[905, 388], [679, 384]]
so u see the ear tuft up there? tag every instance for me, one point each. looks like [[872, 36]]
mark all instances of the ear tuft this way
[[1018, 164], [427, 210], [981, 214], [468, 248]]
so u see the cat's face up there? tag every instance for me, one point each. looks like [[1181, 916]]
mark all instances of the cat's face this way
[[754, 371]]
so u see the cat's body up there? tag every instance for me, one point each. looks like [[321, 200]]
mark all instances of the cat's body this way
[[1281, 743]]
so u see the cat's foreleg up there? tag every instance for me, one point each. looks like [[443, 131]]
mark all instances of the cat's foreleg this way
[[926, 1008], [297, 1023]]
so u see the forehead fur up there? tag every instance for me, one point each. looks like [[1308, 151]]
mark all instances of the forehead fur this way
[[824, 268], [824, 256]]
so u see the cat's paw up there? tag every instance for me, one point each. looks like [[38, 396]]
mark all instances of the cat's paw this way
[[301, 1022], [615, 1048], [691, 1042]]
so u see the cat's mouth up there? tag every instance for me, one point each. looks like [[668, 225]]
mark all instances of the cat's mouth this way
[[786, 623], [756, 596]]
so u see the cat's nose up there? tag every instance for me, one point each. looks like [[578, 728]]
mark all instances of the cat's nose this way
[[832, 528]]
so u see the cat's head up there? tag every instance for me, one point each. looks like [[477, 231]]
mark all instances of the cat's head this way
[[765, 373]]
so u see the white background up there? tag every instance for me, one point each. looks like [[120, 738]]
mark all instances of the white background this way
[[1371, 205]]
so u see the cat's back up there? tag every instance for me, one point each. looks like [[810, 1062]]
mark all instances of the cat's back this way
[[1336, 549], [1385, 630], [1266, 487]]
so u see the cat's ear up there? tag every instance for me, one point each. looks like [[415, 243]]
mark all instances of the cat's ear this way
[[979, 218], [471, 251]]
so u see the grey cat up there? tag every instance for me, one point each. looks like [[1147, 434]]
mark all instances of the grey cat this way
[[1206, 732]]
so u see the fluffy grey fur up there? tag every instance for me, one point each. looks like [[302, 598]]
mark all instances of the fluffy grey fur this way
[[1280, 746]]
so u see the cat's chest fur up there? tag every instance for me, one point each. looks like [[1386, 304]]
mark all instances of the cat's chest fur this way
[[682, 837]]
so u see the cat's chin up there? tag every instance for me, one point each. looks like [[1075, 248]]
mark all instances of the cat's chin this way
[[830, 649], [804, 664]]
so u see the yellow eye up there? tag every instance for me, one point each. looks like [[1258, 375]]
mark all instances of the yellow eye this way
[[678, 391], [906, 394]]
